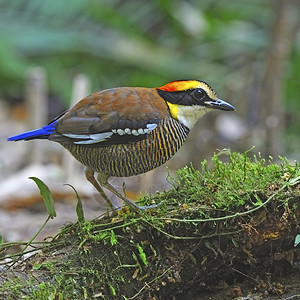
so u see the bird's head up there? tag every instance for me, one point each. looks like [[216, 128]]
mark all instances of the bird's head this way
[[189, 100]]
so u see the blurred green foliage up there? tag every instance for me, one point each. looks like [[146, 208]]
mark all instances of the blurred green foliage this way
[[120, 42], [143, 43]]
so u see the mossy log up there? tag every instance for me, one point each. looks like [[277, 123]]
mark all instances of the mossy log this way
[[229, 230]]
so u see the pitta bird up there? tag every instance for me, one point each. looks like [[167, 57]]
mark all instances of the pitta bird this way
[[127, 131]]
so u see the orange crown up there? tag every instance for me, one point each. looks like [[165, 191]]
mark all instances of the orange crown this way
[[180, 85]]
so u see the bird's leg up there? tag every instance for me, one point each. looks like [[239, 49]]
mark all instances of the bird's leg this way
[[89, 174], [103, 180]]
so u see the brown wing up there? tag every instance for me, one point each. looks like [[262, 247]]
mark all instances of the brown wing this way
[[113, 116]]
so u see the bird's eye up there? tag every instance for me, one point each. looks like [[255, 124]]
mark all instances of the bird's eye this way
[[199, 94]]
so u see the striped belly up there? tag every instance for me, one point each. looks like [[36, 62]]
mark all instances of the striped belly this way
[[125, 160]]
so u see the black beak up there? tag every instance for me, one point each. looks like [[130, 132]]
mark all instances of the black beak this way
[[219, 104]]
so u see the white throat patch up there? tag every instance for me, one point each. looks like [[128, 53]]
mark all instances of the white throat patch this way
[[188, 115]]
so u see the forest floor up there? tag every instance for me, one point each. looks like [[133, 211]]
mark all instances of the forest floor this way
[[227, 232]]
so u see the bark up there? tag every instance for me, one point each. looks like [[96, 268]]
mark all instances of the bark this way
[[282, 34]]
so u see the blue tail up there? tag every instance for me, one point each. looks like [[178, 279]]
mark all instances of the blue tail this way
[[42, 133]]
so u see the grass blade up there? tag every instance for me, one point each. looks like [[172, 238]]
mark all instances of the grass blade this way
[[46, 195], [79, 209]]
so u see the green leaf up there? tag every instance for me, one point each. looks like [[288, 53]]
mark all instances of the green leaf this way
[[113, 239], [193, 258], [79, 209], [207, 244], [46, 195], [112, 290], [234, 243], [294, 181], [297, 240], [37, 267], [142, 255]]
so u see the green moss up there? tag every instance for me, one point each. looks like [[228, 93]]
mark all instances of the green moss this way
[[239, 180], [126, 255]]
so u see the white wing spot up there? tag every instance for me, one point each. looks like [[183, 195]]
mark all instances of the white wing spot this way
[[127, 131], [90, 139], [151, 126], [134, 132], [120, 132], [77, 136], [101, 136]]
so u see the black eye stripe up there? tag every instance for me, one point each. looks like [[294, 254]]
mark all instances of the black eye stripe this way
[[188, 98]]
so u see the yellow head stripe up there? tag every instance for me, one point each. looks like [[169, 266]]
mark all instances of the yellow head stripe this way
[[183, 85], [173, 110], [180, 85]]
